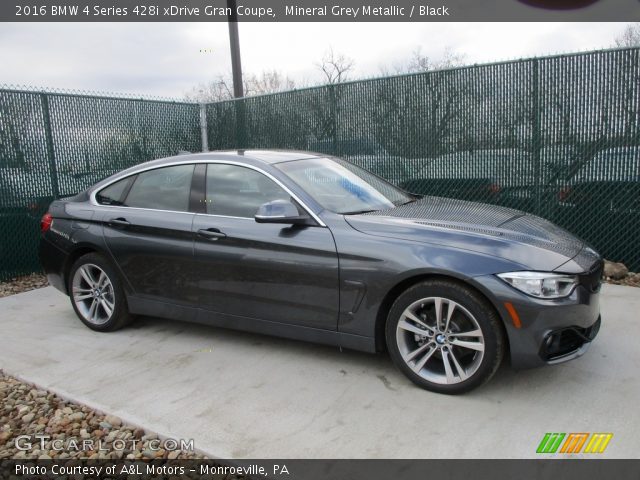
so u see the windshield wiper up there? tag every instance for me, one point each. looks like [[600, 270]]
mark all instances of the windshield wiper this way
[[407, 202], [358, 212]]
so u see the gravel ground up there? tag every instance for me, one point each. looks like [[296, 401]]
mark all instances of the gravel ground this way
[[631, 280], [71, 430], [23, 284]]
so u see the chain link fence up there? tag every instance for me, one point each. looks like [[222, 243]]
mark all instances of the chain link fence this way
[[555, 136], [57, 144]]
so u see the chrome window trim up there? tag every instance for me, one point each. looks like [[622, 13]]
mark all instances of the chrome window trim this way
[[146, 209], [94, 202]]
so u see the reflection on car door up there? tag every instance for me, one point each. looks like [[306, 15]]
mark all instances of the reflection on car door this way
[[149, 232], [274, 272]]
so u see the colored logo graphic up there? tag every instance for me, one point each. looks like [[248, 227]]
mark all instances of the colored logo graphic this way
[[573, 442]]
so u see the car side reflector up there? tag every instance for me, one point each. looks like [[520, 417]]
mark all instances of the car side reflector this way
[[515, 318], [45, 222]]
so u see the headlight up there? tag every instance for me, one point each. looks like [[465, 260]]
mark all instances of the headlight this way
[[541, 284]]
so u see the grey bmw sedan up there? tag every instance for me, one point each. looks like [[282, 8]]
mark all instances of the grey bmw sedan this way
[[311, 247]]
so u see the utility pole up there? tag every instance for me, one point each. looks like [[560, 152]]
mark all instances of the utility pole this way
[[234, 42], [236, 68]]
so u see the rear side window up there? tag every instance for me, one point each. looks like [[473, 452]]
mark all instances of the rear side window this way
[[165, 188], [112, 195]]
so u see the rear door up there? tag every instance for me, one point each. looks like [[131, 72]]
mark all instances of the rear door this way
[[148, 230]]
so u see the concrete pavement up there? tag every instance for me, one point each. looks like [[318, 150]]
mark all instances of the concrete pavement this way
[[240, 395]]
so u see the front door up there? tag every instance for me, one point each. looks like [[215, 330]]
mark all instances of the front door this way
[[279, 273]]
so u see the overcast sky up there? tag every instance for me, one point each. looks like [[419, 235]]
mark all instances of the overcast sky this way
[[165, 58]]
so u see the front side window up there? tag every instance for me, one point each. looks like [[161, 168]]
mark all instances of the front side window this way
[[166, 188], [236, 191], [342, 187]]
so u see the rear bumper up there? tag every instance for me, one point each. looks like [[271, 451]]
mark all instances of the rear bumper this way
[[546, 332], [53, 261]]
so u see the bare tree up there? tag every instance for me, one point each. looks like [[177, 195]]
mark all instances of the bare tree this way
[[326, 106], [419, 62], [221, 89], [426, 107], [630, 36], [335, 67], [217, 90], [269, 81], [11, 150], [620, 109], [18, 117]]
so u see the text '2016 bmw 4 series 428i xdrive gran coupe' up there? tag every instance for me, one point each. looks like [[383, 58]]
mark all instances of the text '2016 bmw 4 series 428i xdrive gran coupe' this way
[[311, 247]]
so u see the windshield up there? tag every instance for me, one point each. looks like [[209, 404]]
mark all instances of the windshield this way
[[342, 187]]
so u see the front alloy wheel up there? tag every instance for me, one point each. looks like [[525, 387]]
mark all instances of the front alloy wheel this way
[[444, 337]]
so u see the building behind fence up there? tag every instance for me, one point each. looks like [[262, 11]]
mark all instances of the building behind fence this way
[[556, 136]]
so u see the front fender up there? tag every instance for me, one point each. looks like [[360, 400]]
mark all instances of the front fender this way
[[372, 268]]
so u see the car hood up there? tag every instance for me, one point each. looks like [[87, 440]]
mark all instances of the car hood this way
[[530, 241]]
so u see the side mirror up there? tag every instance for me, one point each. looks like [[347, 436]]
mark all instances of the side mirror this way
[[281, 211]]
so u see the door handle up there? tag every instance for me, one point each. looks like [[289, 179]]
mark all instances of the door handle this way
[[120, 222], [211, 233]]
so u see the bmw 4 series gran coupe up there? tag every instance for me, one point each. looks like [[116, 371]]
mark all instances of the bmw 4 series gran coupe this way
[[311, 247]]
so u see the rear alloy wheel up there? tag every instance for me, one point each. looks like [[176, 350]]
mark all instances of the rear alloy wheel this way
[[444, 337], [96, 294]]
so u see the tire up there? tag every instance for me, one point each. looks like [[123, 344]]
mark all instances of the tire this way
[[96, 294], [419, 345]]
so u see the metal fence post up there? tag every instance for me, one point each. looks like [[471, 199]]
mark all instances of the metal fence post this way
[[334, 118], [203, 127], [536, 135], [46, 117], [241, 125]]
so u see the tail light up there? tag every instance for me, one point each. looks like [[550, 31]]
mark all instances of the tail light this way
[[564, 193], [494, 188], [46, 222]]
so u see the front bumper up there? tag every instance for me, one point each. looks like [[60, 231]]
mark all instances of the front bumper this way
[[568, 343], [546, 332]]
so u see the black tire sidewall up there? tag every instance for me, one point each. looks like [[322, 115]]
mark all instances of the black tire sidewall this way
[[120, 315], [483, 312]]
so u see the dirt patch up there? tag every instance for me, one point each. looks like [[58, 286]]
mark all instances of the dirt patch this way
[[631, 280]]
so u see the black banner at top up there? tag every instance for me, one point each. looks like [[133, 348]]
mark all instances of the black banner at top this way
[[319, 10]]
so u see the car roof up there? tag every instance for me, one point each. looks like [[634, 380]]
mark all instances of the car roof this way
[[240, 156], [248, 156], [264, 156]]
